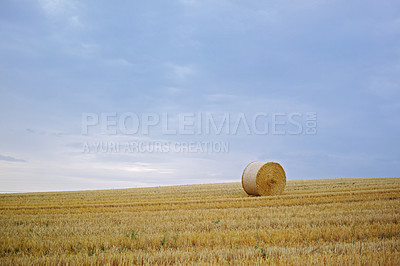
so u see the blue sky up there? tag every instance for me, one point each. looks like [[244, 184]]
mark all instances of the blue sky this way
[[60, 59]]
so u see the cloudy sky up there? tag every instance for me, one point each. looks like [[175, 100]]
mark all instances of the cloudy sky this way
[[63, 59]]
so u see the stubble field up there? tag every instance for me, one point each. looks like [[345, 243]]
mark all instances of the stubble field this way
[[331, 221]]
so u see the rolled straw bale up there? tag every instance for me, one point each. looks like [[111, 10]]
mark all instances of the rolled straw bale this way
[[263, 179]]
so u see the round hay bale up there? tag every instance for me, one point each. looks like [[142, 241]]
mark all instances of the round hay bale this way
[[263, 179]]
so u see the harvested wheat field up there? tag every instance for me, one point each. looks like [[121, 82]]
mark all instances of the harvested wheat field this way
[[332, 221]]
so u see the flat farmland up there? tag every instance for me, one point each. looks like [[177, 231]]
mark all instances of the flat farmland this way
[[325, 221]]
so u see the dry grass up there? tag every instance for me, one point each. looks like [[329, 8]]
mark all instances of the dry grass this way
[[337, 221]]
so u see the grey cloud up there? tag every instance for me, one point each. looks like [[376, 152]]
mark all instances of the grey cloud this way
[[11, 159]]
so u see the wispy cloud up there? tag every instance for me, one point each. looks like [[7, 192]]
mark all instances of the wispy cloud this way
[[119, 62], [56, 7], [11, 159], [75, 21], [180, 72], [189, 2], [384, 87], [217, 97], [64, 10], [173, 90]]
